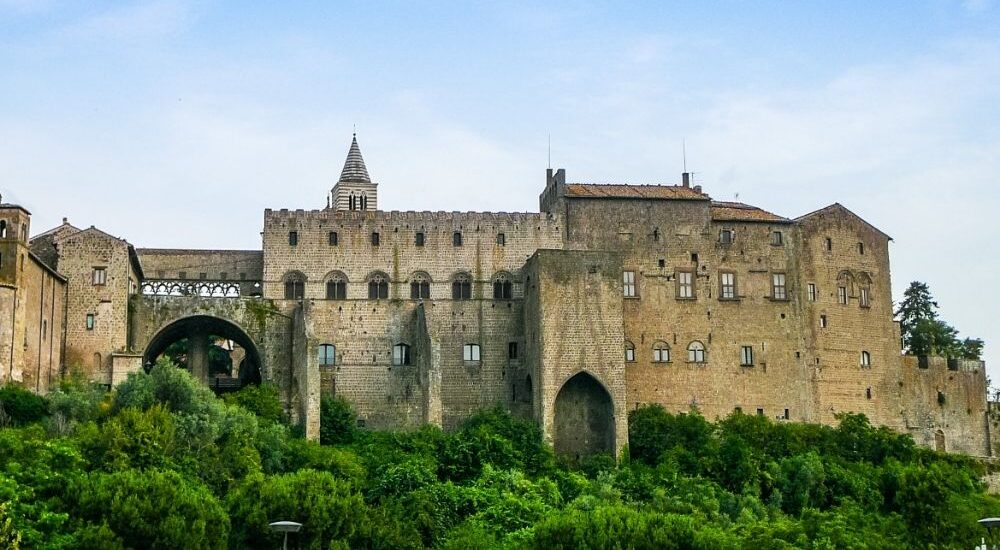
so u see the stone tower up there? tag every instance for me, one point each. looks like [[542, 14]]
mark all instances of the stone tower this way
[[354, 190]]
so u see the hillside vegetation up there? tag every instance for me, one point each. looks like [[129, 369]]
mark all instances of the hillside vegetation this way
[[162, 463]]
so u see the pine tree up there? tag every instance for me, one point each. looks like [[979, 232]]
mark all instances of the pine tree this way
[[917, 305]]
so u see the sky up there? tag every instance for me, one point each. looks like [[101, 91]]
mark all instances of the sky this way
[[175, 123]]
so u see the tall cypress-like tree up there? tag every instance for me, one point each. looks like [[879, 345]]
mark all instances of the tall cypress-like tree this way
[[924, 333]]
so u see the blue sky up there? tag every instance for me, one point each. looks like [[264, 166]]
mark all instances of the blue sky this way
[[175, 123]]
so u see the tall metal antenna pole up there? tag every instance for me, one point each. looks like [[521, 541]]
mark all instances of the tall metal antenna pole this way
[[684, 154]]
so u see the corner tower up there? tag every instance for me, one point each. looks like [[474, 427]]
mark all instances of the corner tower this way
[[354, 190]]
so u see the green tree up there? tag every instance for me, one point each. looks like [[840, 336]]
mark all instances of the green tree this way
[[972, 348], [337, 420], [20, 406]]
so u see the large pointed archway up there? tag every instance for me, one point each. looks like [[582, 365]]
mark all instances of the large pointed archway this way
[[584, 418], [214, 350]]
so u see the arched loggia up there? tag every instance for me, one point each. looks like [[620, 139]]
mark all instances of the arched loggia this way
[[584, 418], [202, 344]]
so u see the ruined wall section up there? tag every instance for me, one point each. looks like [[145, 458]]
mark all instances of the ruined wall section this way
[[944, 404], [840, 250], [574, 319]]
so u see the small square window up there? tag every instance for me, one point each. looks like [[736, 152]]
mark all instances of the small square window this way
[[777, 239], [333, 238], [375, 238], [418, 239], [293, 238], [694, 257], [471, 353], [760, 411], [501, 239], [727, 236], [661, 263]]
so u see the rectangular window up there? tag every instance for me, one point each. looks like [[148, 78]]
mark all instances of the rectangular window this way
[[787, 416], [401, 354], [470, 353], [512, 350], [760, 411], [90, 321], [726, 236], [628, 280], [777, 239], [841, 294], [333, 238], [822, 321], [746, 356], [375, 238], [630, 354], [727, 288], [293, 238], [295, 290], [778, 286], [864, 298], [685, 284], [456, 239], [812, 292], [100, 276], [327, 355], [501, 239], [829, 244], [418, 240]]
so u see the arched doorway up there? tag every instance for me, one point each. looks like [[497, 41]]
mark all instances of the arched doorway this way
[[214, 350], [939, 443], [584, 418]]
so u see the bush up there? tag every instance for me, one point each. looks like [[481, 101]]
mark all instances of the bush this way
[[167, 384], [337, 421], [77, 400], [152, 509], [330, 510], [263, 400], [20, 406]]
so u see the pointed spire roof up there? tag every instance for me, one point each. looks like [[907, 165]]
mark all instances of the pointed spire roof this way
[[354, 168]]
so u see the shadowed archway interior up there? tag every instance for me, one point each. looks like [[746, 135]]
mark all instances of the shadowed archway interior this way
[[584, 418], [198, 333]]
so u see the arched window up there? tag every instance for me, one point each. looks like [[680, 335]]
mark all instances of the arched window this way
[[866, 359], [661, 352], [336, 286], [629, 352], [503, 289], [471, 353], [696, 352], [420, 286], [327, 355], [378, 287], [295, 286], [461, 287], [364, 201], [352, 202], [401, 354], [864, 290]]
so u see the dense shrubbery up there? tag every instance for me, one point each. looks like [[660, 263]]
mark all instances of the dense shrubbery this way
[[163, 463]]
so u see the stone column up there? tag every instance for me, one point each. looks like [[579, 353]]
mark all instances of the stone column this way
[[197, 354]]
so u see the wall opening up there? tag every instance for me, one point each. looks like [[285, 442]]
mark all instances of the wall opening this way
[[214, 350], [584, 418]]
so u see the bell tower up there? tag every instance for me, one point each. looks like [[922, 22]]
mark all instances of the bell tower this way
[[15, 224], [354, 190]]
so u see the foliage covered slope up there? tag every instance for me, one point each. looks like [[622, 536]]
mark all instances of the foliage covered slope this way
[[163, 463]]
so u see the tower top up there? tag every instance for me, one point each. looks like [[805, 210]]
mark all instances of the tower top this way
[[355, 170]]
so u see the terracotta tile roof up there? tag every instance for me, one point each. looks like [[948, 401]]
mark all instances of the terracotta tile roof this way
[[624, 191], [739, 212]]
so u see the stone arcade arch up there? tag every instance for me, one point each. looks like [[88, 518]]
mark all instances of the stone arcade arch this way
[[584, 417], [198, 329]]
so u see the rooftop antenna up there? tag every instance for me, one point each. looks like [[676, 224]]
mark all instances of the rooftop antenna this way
[[684, 154]]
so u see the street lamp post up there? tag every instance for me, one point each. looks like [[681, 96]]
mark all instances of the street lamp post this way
[[285, 527]]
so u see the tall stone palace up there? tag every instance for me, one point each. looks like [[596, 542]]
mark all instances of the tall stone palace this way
[[609, 298]]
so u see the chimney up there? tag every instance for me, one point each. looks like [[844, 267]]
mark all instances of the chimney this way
[[686, 179], [65, 221]]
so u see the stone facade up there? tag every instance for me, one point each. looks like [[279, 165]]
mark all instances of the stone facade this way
[[608, 298]]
